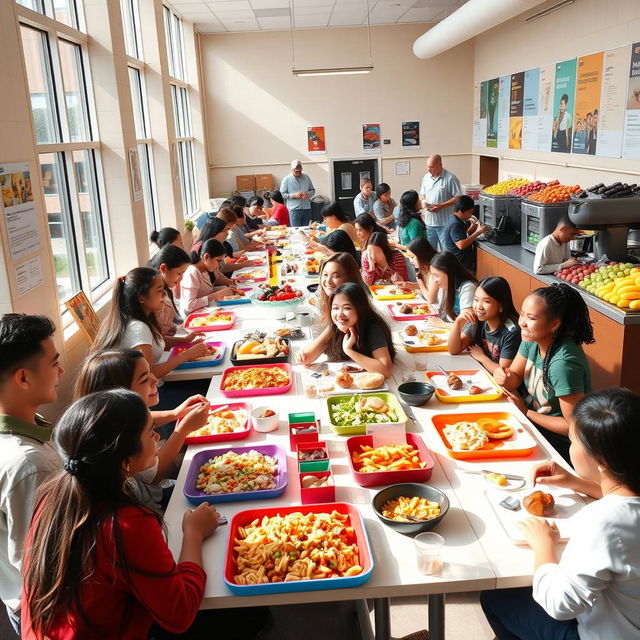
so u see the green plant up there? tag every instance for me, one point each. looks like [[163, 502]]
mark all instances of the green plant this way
[[189, 225]]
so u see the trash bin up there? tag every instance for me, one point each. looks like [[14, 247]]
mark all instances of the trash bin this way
[[317, 203]]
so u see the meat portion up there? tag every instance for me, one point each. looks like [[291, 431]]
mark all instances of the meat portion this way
[[539, 503], [454, 382]]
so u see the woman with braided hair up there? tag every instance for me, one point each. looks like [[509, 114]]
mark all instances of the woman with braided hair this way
[[554, 323]]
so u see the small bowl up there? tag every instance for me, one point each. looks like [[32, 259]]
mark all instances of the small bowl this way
[[265, 425], [409, 490], [312, 288], [416, 393]]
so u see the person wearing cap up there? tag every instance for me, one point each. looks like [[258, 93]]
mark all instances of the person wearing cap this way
[[297, 191]]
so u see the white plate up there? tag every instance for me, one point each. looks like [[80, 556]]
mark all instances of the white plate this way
[[416, 341], [324, 383]]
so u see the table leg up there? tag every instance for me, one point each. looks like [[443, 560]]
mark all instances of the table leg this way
[[364, 620], [436, 616], [382, 612]]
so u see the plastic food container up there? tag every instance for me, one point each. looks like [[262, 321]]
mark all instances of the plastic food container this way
[[413, 344], [322, 464], [245, 518], [216, 326], [312, 429], [380, 292], [244, 300], [396, 315], [196, 496], [266, 391], [220, 347], [265, 425], [389, 398], [224, 437], [314, 495], [257, 358], [443, 394], [390, 477]]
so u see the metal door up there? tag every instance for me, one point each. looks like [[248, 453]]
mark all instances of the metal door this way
[[347, 175]]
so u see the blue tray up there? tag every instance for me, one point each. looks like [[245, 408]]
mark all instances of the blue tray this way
[[197, 364], [245, 300]]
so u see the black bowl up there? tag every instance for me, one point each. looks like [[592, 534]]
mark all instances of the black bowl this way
[[409, 490], [416, 393], [312, 288]]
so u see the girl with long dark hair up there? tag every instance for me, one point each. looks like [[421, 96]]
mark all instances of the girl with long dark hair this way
[[554, 323], [456, 286], [166, 235], [490, 331], [336, 218], [365, 225], [420, 254], [219, 229], [381, 262], [334, 271], [384, 205], [410, 223]]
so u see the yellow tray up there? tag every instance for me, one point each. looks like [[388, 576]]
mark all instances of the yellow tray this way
[[444, 396], [425, 348], [387, 296]]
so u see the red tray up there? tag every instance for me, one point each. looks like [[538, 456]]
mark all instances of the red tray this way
[[267, 391], [396, 315], [390, 477], [222, 437], [211, 327]]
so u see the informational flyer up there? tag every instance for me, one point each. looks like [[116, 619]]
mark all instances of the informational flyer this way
[[516, 110], [29, 275], [482, 123], [563, 106], [21, 219], [477, 132], [504, 100], [371, 138], [631, 144], [588, 85], [316, 140], [545, 106], [530, 109], [136, 177], [493, 89], [615, 72], [411, 135]]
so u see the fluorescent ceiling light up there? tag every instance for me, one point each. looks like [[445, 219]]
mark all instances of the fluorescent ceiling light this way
[[339, 71], [546, 12]]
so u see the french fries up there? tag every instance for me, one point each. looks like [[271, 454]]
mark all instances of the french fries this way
[[416, 507], [387, 458]]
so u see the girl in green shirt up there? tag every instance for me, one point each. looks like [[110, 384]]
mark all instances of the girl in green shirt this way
[[410, 224]]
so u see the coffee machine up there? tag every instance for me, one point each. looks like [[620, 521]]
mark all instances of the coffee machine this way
[[611, 219]]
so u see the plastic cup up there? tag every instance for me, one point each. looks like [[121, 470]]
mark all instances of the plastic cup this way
[[428, 549], [420, 361]]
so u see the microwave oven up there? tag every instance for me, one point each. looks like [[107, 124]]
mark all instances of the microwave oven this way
[[539, 220]]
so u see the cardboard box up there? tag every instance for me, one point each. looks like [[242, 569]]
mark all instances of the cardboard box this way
[[264, 182], [245, 183]]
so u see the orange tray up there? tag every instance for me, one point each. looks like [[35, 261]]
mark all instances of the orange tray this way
[[413, 344], [378, 292], [520, 445], [444, 395]]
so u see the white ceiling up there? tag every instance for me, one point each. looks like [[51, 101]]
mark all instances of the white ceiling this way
[[221, 16]]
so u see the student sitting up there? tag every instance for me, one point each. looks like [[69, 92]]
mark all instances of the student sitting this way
[[420, 254], [219, 229], [279, 213], [335, 217], [553, 252], [490, 331], [239, 235], [29, 376], [593, 591], [381, 262], [384, 205], [460, 233], [166, 235], [355, 332], [456, 287], [410, 223], [131, 321], [334, 271], [554, 322], [337, 241], [364, 201], [366, 225]]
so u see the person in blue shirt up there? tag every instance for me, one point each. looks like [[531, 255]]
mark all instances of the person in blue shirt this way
[[297, 191], [363, 202], [460, 232]]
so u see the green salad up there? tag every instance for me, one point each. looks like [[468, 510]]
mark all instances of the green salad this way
[[349, 413]]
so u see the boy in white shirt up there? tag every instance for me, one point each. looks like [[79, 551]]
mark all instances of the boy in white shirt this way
[[29, 375], [553, 252]]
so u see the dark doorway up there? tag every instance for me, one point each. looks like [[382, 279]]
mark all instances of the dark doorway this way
[[488, 170], [346, 179]]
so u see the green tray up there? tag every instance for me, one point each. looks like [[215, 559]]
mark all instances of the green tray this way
[[298, 418], [314, 465], [356, 430]]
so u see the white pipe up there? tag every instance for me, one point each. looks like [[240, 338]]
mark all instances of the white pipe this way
[[471, 19]]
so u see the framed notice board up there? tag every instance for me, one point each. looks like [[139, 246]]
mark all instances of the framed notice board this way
[[84, 315]]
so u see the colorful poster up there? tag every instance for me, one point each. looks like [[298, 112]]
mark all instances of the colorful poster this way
[[545, 106], [482, 122], [612, 98], [493, 89], [530, 109], [478, 133], [371, 138], [563, 106], [136, 176], [504, 100], [588, 84], [515, 110], [411, 135], [316, 140], [631, 145]]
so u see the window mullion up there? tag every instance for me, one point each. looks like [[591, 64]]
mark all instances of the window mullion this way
[[58, 85]]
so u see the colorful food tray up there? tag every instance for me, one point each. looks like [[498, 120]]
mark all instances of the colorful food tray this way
[[210, 360], [385, 292], [326, 384], [223, 437], [252, 275], [417, 344], [567, 505], [274, 304], [245, 518], [469, 377], [196, 496], [258, 358], [519, 445], [356, 430], [244, 300], [390, 477], [402, 317], [214, 325], [266, 391]]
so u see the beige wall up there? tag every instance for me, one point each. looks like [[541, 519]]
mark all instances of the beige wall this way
[[585, 27], [257, 111]]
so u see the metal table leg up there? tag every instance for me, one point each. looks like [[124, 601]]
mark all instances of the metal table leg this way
[[383, 618], [364, 620], [436, 616]]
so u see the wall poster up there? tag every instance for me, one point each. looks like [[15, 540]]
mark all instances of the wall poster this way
[[615, 69], [588, 84], [516, 110], [545, 106], [504, 99], [371, 138], [530, 109], [563, 106], [631, 145], [411, 135], [493, 89], [316, 140]]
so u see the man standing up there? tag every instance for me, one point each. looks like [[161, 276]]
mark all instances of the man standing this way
[[297, 189], [439, 191]]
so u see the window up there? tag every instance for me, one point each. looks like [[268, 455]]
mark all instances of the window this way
[[65, 11], [175, 45], [131, 22], [70, 162]]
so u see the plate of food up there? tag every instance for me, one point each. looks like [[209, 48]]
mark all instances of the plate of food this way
[[409, 311], [335, 377], [239, 296], [391, 292], [257, 346], [225, 422], [426, 340], [312, 266], [256, 380], [213, 357], [277, 295], [468, 385], [217, 320], [252, 275], [554, 504], [350, 414], [298, 548], [480, 436], [236, 473]]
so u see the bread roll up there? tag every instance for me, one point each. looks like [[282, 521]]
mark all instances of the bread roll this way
[[539, 503], [369, 380]]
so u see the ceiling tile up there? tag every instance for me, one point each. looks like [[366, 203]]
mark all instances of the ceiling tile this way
[[312, 3], [178, 3], [274, 23], [428, 14], [311, 21], [230, 5], [193, 7], [210, 27], [198, 17], [346, 18], [227, 16], [269, 4], [310, 11], [271, 13]]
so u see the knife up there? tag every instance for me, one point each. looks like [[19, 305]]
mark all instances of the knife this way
[[485, 471]]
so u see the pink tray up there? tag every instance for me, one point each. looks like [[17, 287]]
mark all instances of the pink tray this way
[[396, 315], [241, 280], [221, 437], [211, 327], [268, 391]]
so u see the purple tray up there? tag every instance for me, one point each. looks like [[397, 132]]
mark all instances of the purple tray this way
[[196, 496]]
